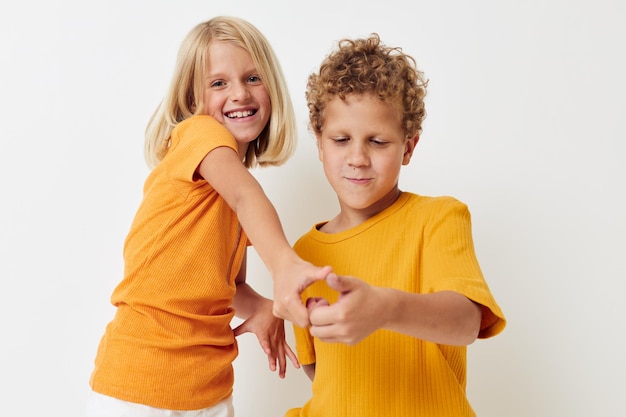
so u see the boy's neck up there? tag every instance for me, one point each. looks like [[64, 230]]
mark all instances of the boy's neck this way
[[349, 218]]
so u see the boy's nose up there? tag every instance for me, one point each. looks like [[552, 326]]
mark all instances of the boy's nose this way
[[357, 156]]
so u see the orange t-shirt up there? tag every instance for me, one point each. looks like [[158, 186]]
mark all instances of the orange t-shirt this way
[[170, 344]]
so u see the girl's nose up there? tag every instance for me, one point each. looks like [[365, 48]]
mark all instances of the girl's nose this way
[[239, 92]]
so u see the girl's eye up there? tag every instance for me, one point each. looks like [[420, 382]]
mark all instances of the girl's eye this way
[[341, 140], [217, 84], [254, 79]]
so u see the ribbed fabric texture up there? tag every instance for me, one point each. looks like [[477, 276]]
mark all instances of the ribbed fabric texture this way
[[170, 344], [421, 245]]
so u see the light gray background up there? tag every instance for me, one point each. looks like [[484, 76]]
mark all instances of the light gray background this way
[[525, 124]]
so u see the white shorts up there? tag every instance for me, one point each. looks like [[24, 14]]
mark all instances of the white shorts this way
[[99, 405]]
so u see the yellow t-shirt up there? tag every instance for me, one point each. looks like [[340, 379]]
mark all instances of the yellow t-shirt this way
[[170, 344], [420, 245]]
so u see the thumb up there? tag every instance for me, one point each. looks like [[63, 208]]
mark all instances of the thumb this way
[[341, 283], [319, 275], [241, 329], [324, 272]]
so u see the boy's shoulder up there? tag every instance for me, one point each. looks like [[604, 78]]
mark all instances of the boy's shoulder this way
[[430, 208], [432, 202], [414, 208]]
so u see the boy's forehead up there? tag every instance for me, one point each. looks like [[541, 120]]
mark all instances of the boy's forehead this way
[[368, 103], [361, 112]]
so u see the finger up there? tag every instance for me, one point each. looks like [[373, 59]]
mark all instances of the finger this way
[[271, 357], [292, 356], [323, 272], [271, 360], [292, 310], [323, 315], [334, 334], [266, 344], [341, 283], [314, 302], [241, 329], [282, 362], [318, 275], [324, 333]]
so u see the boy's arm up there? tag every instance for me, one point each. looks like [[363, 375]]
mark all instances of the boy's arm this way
[[223, 169], [444, 317], [309, 370]]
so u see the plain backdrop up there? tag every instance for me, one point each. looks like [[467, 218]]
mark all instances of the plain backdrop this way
[[526, 124]]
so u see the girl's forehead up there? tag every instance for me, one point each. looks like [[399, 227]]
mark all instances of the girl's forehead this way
[[225, 56], [225, 45]]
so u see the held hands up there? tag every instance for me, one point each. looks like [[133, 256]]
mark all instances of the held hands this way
[[287, 290], [358, 311], [270, 331]]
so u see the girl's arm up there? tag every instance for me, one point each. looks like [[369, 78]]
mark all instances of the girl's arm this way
[[223, 169], [256, 310]]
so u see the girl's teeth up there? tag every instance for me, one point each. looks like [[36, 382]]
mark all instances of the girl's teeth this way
[[238, 114]]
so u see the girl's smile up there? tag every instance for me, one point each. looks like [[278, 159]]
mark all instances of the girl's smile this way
[[234, 93]]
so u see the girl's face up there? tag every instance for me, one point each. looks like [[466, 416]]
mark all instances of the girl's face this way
[[362, 147], [234, 94]]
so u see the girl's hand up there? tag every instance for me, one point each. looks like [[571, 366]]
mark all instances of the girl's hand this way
[[289, 282], [270, 331]]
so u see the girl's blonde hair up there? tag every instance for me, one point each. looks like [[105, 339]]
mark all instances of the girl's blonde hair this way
[[184, 97]]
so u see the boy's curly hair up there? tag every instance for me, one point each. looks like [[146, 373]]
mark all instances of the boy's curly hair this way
[[367, 66]]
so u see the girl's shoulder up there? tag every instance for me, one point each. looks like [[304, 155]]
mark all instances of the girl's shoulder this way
[[202, 129], [199, 122]]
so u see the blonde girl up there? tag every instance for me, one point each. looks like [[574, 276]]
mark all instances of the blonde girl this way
[[169, 349]]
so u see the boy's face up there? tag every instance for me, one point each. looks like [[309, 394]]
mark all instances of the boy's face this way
[[362, 147]]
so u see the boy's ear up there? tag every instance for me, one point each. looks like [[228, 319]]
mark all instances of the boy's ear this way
[[319, 148], [409, 147]]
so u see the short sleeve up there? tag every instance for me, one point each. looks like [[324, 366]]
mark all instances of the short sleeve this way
[[305, 350], [450, 263], [191, 140]]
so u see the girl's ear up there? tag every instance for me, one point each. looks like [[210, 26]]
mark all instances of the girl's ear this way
[[409, 147]]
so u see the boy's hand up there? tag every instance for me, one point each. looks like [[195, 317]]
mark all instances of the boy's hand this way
[[270, 331], [288, 287], [357, 313]]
